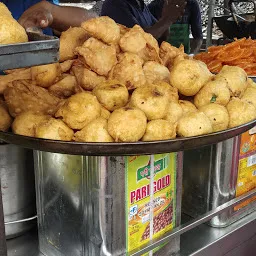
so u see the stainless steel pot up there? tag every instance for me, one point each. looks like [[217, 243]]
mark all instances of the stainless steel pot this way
[[18, 189]]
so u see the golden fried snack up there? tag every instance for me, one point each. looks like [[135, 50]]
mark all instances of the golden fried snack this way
[[159, 130], [240, 112], [104, 113], [129, 71], [141, 43], [127, 125], [174, 112], [250, 95], [46, 75], [4, 11], [123, 29], [218, 115], [11, 31], [251, 83], [22, 96], [168, 53], [99, 56], [5, 118], [103, 28], [111, 94], [65, 87], [25, 123], [66, 65], [187, 107], [155, 72], [86, 78], [133, 41], [79, 110], [151, 101], [168, 90], [189, 76], [95, 131], [69, 40], [54, 129], [236, 78], [215, 91], [14, 76], [194, 124]]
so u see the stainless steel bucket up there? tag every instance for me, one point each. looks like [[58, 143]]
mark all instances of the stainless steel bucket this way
[[18, 189], [88, 206], [214, 175]]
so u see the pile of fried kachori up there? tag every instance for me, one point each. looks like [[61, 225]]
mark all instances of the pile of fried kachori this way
[[115, 84]]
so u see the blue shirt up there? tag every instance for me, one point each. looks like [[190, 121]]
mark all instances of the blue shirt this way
[[17, 7], [192, 16], [128, 13]]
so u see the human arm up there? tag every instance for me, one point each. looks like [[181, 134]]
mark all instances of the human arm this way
[[196, 27], [172, 10], [60, 18]]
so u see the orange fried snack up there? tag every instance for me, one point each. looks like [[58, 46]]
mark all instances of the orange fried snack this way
[[241, 53]]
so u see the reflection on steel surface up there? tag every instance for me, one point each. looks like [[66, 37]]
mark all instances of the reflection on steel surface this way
[[210, 180], [88, 217]]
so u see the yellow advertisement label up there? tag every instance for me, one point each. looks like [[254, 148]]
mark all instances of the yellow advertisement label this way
[[139, 200], [246, 180]]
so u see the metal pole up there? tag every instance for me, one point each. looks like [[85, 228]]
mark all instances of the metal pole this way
[[3, 248], [210, 22]]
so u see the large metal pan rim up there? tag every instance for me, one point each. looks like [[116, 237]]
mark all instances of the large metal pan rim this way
[[121, 149]]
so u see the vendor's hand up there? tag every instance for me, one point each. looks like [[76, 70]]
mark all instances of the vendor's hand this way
[[38, 16], [173, 9]]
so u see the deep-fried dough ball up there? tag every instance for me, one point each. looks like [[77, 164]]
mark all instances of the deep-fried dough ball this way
[[4, 10], [240, 112], [187, 106], [251, 83], [236, 78], [133, 41], [218, 115], [103, 28], [129, 71], [189, 76], [127, 124], [174, 112], [79, 110], [141, 43], [54, 129], [250, 95], [215, 91], [25, 123], [159, 130], [69, 40], [155, 72], [11, 31], [87, 78], [168, 53], [99, 56], [168, 90], [104, 113], [111, 94], [46, 75], [95, 131], [194, 124], [5, 118], [65, 87], [23, 96], [151, 101]]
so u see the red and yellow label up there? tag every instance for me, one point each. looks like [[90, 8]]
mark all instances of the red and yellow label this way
[[246, 180]]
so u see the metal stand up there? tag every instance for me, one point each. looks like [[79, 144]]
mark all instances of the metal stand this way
[[3, 249]]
